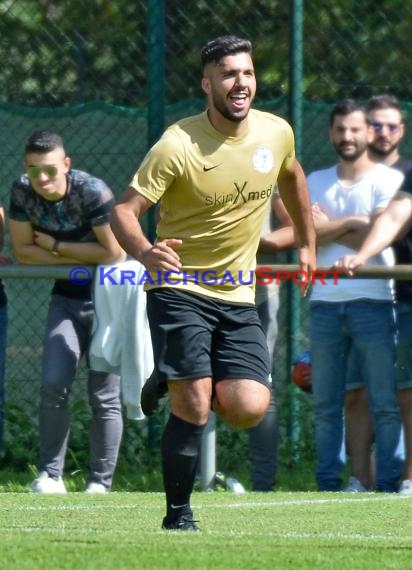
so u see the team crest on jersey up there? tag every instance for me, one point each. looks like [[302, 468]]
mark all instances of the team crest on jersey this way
[[263, 160]]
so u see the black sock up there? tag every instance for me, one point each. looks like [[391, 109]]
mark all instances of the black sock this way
[[180, 446]]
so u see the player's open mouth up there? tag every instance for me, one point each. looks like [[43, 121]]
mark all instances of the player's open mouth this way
[[238, 100]]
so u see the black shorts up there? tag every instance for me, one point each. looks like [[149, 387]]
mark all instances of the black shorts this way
[[195, 336]]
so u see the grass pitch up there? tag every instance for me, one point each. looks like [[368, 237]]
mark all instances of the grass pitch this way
[[252, 531]]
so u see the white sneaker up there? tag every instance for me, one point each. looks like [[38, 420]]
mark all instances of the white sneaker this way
[[96, 489], [355, 486], [406, 487], [47, 485]]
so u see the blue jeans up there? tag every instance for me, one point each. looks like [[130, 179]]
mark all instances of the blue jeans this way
[[404, 345], [369, 327], [3, 343]]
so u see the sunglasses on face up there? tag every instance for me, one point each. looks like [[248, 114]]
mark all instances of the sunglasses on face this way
[[35, 171], [392, 127]]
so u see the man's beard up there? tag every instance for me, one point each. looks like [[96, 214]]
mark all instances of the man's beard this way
[[235, 117], [350, 157], [382, 152]]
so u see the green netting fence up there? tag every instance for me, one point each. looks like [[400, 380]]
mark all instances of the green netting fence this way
[[109, 76]]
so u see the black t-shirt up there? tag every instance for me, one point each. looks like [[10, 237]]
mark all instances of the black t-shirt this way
[[87, 203], [403, 247]]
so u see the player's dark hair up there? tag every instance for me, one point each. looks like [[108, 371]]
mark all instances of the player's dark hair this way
[[222, 46], [42, 142], [345, 107]]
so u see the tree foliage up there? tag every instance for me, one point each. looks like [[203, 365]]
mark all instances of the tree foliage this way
[[60, 53], [357, 48], [66, 52]]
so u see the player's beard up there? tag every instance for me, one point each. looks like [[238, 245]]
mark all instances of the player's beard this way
[[222, 107]]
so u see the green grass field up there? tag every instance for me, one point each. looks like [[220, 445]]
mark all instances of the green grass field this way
[[250, 531]]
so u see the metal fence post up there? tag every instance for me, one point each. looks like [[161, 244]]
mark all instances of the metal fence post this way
[[156, 121], [295, 112], [208, 454]]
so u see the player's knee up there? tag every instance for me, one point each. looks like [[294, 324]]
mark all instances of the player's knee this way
[[190, 399], [243, 420], [242, 404], [243, 417]]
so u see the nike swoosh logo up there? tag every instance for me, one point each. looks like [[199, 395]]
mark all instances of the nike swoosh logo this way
[[207, 168], [178, 506]]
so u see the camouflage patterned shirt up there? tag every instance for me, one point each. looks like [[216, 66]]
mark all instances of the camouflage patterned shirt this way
[[87, 203]]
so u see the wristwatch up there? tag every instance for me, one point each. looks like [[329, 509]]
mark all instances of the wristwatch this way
[[55, 248]]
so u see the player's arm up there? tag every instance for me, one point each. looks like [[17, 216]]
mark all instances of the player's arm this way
[[129, 233], [278, 240], [280, 212], [282, 238], [294, 193], [392, 222]]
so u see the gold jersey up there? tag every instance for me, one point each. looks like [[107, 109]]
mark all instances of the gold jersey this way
[[214, 190]]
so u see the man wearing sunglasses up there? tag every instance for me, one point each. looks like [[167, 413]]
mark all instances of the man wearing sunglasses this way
[[60, 216], [385, 117]]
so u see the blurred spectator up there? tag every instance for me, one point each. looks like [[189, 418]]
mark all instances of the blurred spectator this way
[[354, 314]]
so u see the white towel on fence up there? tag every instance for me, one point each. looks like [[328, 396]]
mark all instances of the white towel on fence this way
[[121, 341]]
